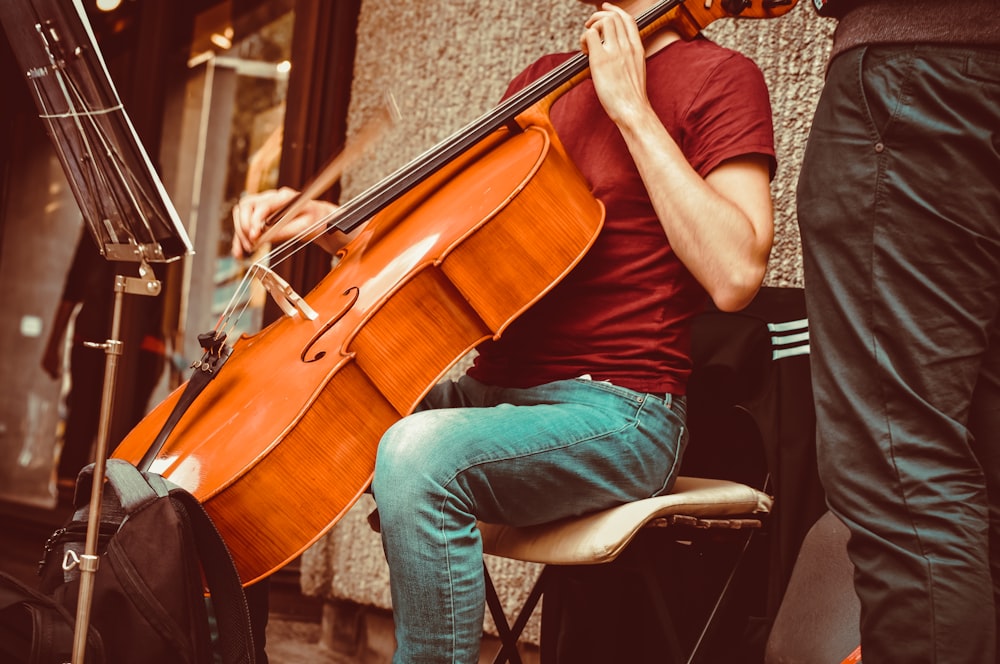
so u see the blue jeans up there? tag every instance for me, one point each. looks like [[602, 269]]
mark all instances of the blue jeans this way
[[899, 209], [514, 456]]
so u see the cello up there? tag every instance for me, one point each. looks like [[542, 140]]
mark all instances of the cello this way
[[278, 456]]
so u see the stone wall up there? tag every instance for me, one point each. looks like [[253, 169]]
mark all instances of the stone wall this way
[[447, 62]]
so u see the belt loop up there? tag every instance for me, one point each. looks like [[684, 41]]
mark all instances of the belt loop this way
[[668, 399]]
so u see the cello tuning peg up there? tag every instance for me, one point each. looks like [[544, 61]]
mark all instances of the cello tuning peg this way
[[735, 7]]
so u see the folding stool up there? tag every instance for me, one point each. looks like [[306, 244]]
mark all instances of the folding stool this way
[[599, 538]]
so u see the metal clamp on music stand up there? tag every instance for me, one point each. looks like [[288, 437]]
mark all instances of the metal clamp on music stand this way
[[122, 199]]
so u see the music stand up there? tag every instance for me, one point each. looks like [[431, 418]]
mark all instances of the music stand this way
[[122, 199]]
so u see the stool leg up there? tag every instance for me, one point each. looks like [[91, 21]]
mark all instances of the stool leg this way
[[552, 614], [525, 613], [696, 649], [647, 569], [508, 639]]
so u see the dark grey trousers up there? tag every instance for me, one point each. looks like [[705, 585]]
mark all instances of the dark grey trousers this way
[[899, 211]]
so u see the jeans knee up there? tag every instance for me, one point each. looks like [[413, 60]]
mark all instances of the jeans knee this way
[[408, 468]]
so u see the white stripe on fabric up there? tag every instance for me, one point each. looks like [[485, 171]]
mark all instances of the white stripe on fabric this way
[[790, 338], [792, 351], [800, 324]]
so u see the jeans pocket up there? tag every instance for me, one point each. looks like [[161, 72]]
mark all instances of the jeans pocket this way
[[680, 444], [671, 437]]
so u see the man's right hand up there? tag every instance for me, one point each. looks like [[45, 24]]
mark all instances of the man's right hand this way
[[253, 210]]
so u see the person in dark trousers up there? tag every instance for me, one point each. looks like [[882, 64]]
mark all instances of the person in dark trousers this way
[[899, 209], [580, 404]]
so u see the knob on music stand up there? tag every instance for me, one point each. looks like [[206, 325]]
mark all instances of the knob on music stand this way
[[123, 202]]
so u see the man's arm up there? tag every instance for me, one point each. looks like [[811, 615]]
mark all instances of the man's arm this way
[[721, 227]]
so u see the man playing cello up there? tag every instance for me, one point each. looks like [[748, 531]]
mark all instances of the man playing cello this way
[[580, 405]]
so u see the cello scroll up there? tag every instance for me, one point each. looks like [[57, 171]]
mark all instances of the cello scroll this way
[[688, 18]]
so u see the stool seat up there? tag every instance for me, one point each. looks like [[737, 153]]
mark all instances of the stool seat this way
[[600, 537]]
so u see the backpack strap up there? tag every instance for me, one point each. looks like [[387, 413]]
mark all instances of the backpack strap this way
[[129, 489], [133, 490], [229, 601]]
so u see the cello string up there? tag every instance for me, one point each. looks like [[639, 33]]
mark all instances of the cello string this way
[[333, 170], [370, 201], [239, 302]]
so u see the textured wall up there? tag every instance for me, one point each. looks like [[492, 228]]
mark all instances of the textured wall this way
[[447, 62]]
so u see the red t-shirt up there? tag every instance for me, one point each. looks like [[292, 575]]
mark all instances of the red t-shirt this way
[[623, 314]]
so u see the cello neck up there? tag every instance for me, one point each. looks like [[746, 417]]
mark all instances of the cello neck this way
[[676, 14]]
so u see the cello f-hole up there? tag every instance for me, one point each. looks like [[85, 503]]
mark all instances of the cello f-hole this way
[[354, 292]]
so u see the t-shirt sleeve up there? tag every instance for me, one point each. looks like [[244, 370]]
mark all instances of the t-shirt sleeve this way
[[730, 116]]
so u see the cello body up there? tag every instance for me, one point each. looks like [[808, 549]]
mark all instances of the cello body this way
[[283, 441]]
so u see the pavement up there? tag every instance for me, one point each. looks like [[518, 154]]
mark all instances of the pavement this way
[[297, 642]]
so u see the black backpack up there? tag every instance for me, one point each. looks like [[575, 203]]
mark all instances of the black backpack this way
[[158, 551], [35, 628]]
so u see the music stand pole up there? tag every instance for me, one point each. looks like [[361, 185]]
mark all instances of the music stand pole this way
[[145, 285]]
